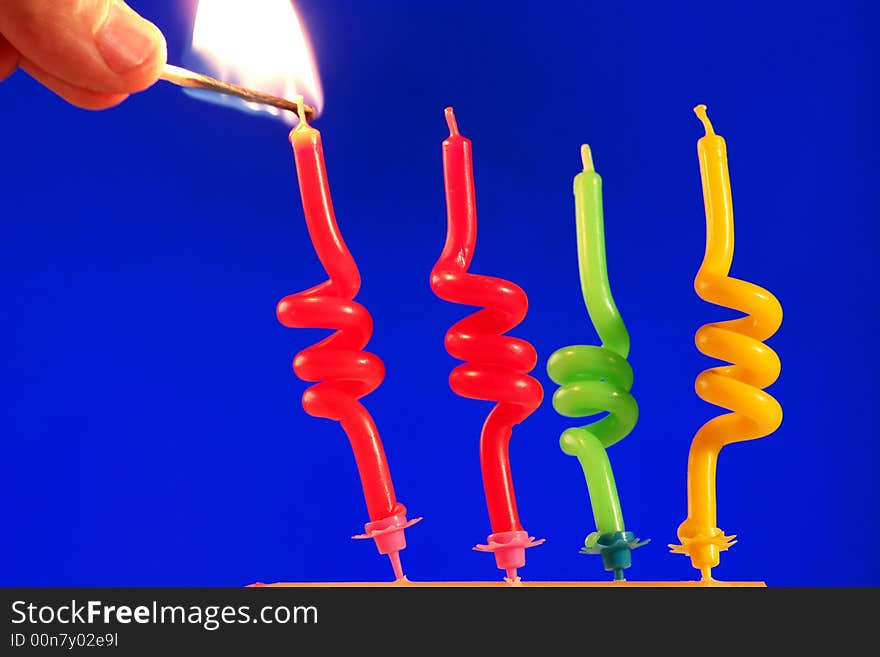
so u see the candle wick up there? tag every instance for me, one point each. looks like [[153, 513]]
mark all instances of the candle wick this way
[[587, 158], [451, 122], [301, 111], [700, 111]]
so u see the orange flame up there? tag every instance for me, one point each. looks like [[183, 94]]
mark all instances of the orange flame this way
[[259, 44]]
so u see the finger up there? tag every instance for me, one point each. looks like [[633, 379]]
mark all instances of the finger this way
[[8, 59], [84, 98], [98, 45]]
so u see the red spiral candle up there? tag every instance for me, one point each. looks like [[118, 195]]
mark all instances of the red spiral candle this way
[[343, 373], [496, 366]]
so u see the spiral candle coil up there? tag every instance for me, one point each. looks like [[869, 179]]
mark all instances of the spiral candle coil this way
[[339, 367], [496, 366], [737, 387], [597, 379]]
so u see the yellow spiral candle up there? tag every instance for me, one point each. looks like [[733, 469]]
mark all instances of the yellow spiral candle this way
[[737, 387]]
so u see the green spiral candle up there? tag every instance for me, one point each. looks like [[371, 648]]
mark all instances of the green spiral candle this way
[[595, 379]]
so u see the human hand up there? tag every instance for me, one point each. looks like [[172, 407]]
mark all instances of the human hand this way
[[92, 53]]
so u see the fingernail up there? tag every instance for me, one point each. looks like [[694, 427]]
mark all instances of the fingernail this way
[[125, 40]]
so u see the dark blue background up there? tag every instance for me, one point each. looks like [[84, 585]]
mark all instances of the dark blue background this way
[[151, 424]]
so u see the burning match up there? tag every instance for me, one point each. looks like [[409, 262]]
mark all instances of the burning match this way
[[186, 78]]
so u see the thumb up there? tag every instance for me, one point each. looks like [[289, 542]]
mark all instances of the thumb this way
[[8, 59], [100, 46]]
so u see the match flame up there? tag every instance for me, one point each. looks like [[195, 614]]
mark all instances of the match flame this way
[[259, 44]]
